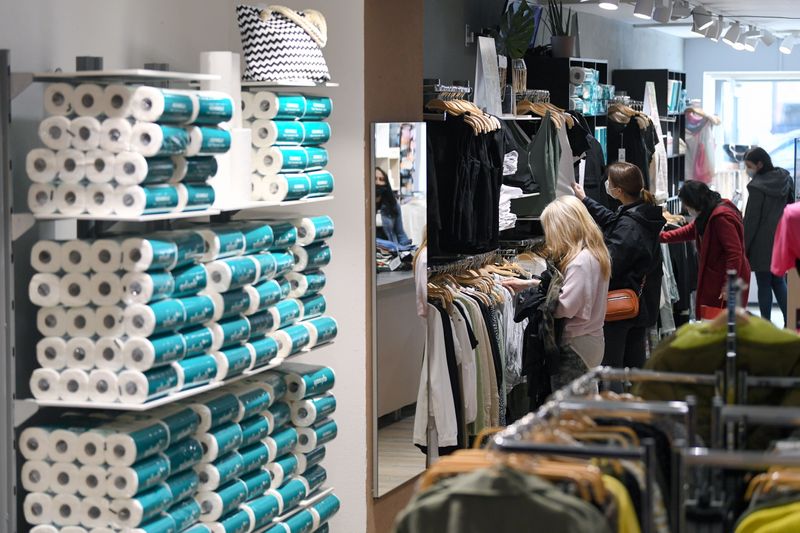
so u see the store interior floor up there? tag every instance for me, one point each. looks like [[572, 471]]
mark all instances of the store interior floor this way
[[398, 459]]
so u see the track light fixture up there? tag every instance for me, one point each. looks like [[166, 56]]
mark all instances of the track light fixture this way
[[610, 5], [739, 44], [732, 34], [663, 12], [750, 44], [768, 38], [644, 9], [753, 32], [702, 18], [714, 32], [681, 9], [787, 44]]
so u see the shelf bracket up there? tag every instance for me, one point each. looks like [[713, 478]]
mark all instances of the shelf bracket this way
[[23, 411], [19, 82], [20, 224]]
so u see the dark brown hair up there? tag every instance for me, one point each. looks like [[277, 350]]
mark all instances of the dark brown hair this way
[[628, 177]]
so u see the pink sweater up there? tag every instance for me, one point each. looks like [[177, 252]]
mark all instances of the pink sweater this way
[[786, 249], [584, 297]]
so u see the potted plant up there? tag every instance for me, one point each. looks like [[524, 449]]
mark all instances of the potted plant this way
[[560, 39], [517, 32]]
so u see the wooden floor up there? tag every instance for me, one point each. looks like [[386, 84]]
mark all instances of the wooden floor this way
[[398, 459]]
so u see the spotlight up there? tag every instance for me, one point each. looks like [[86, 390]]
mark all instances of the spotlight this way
[[681, 9], [663, 12], [732, 34], [753, 32], [702, 18], [767, 38], [610, 5], [787, 44], [750, 44], [739, 44], [644, 9], [715, 31]]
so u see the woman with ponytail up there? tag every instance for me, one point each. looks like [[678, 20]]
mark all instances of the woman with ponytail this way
[[631, 234]]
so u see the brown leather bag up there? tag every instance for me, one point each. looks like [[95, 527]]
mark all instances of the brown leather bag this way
[[622, 305]]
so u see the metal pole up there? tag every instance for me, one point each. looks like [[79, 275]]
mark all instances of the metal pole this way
[[649, 459]]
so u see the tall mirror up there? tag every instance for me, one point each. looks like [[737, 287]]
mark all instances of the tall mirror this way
[[399, 205]]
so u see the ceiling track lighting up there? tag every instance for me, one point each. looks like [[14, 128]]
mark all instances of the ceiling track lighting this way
[[787, 44], [732, 34], [681, 9], [753, 32], [714, 32], [768, 38], [644, 9], [663, 12], [750, 44], [610, 5], [740, 42], [702, 18]]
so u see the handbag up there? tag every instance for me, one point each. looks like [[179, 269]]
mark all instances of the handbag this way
[[623, 304], [283, 45]]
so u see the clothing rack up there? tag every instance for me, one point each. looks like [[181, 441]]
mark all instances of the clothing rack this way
[[462, 263], [534, 96], [673, 205]]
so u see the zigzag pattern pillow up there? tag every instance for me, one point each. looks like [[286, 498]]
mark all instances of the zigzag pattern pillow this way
[[278, 49]]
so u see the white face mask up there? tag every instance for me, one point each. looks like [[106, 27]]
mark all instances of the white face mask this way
[[608, 188], [692, 212]]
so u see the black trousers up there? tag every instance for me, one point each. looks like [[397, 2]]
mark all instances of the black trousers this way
[[626, 346]]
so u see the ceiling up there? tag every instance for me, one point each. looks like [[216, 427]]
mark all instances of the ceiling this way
[[777, 16]]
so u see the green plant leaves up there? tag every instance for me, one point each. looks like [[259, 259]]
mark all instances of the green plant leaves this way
[[558, 24], [517, 28]]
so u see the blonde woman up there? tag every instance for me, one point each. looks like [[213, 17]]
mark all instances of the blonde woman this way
[[576, 247]]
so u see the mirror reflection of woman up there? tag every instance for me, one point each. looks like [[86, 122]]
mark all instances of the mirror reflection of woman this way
[[387, 205]]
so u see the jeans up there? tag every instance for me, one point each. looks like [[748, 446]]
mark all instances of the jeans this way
[[626, 346], [768, 284], [393, 227]]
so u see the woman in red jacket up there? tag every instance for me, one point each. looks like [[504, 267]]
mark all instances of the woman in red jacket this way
[[718, 230]]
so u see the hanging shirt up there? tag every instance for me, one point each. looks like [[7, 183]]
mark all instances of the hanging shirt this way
[[566, 165], [786, 248], [466, 363], [700, 147]]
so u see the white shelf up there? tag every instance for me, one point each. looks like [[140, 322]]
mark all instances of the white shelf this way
[[255, 204], [288, 84], [143, 218], [136, 75]]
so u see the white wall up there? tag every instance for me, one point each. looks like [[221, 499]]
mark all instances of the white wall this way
[[46, 34]]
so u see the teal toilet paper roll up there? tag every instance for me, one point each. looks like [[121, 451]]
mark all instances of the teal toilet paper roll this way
[[220, 242], [185, 513], [153, 104], [289, 159], [224, 469], [307, 412], [225, 499], [140, 387], [286, 312], [291, 494], [232, 273], [253, 399], [285, 262], [263, 295], [233, 361], [323, 329], [207, 141], [306, 283], [216, 411], [281, 441], [258, 236], [316, 132], [160, 524], [283, 468], [148, 253], [197, 370], [262, 510], [279, 414], [315, 477], [254, 429], [265, 349], [302, 522], [285, 235], [199, 310], [261, 324], [313, 306], [220, 440], [189, 243], [132, 512], [159, 170], [255, 456], [291, 339], [198, 340], [325, 509], [181, 423], [313, 229], [145, 353], [268, 265], [257, 482], [283, 282], [230, 332], [195, 196], [189, 280], [317, 158], [152, 140], [183, 455], [232, 303], [317, 107], [127, 481], [238, 522], [212, 107], [277, 132], [136, 200], [146, 287], [321, 183], [307, 380], [284, 106], [314, 457], [183, 485], [320, 433], [274, 383], [311, 257], [194, 169]]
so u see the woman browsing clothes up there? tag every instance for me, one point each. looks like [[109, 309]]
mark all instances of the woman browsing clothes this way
[[631, 235], [389, 208]]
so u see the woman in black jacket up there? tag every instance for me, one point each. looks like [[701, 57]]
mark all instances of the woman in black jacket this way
[[631, 234], [770, 189]]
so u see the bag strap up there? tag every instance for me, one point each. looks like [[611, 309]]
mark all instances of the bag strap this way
[[311, 20]]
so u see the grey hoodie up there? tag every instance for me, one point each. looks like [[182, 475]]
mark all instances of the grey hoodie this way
[[769, 193]]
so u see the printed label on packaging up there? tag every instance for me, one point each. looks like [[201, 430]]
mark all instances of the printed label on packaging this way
[[199, 196], [151, 471], [321, 182], [175, 140], [291, 106], [235, 302], [161, 197], [183, 485], [228, 437], [159, 170], [298, 186], [178, 108], [198, 341], [269, 292], [168, 348], [316, 132], [213, 110], [185, 514], [199, 309], [200, 168], [254, 429], [190, 280], [254, 401], [315, 477], [168, 314], [197, 370], [254, 456], [239, 359], [313, 306], [265, 509], [285, 262], [234, 330], [181, 424], [229, 466], [257, 482], [161, 380], [269, 266], [184, 455], [215, 141]]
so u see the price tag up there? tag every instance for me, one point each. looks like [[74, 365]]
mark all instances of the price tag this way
[[395, 263], [621, 155]]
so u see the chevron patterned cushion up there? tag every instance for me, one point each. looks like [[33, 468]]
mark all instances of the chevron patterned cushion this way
[[278, 49]]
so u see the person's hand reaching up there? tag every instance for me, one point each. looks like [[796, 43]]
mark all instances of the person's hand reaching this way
[[579, 192], [519, 285]]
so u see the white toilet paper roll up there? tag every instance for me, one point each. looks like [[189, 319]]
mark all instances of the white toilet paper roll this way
[[38, 508], [44, 384], [109, 321], [95, 512], [103, 386], [247, 106], [87, 100], [34, 443], [80, 322], [71, 165], [52, 321], [70, 199], [66, 510], [86, 133], [93, 480], [130, 168], [108, 353], [63, 445], [117, 101], [64, 478], [137, 201], [46, 256], [57, 99], [100, 166], [151, 139], [105, 255], [41, 199], [100, 198], [54, 132], [135, 387], [76, 256], [258, 187], [73, 385], [80, 356], [75, 290], [106, 288], [115, 135], [74, 529], [41, 165], [152, 104], [47, 529], [91, 450], [51, 352], [45, 290], [284, 187], [35, 476]]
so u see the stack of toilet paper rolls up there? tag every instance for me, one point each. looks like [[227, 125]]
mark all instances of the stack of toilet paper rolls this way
[[288, 131], [127, 151], [134, 318], [239, 458]]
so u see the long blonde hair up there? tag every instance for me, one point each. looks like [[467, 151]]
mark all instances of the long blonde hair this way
[[569, 228]]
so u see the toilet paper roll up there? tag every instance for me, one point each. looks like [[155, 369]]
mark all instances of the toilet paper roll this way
[[75, 290], [253, 399], [307, 460], [578, 75], [217, 504], [54, 132], [313, 229], [65, 478], [46, 256], [258, 189], [108, 353], [51, 352], [255, 456], [194, 197], [135, 201], [140, 387], [151, 104], [131, 168], [106, 288], [77, 256], [73, 383], [127, 481], [106, 255], [232, 273], [316, 133], [127, 447], [262, 511], [70, 199], [41, 165], [284, 187], [247, 105], [198, 341], [261, 324], [51, 529], [115, 135], [311, 257], [117, 101], [44, 384], [64, 444], [291, 494], [95, 511], [305, 381], [258, 236], [212, 107], [271, 105], [273, 160], [38, 508], [277, 133], [141, 255], [145, 320], [103, 386], [275, 385], [100, 199], [198, 310], [151, 139], [229, 332], [262, 296], [91, 451], [34, 443], [313, 306], [81, 321], [318, 107], [222, 242], [317, 158], [41, 199], [254, 429], [291, 340], [184, 514], [194, 169], [197, 370], [321, 330], [283, 468], [321, 183], [35, 476], [286, 313], [230, 304], [207, 141], [71, 165], [143, 354], [258, 482], [268, 265], [87, 100], [45, 290], [316, 435], [189, 280], [109, 321], [218, 442], [266, 349], [132, 512], [233, 361], [57, 99], [216, 411], [85, 133], [146, 287], [100, 166], [324, 510], [306, 283], [51, 321], [279, 414], [306, 413]]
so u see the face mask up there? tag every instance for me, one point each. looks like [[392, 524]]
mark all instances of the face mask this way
[[608, 188], [692, 213], [751, 172]]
